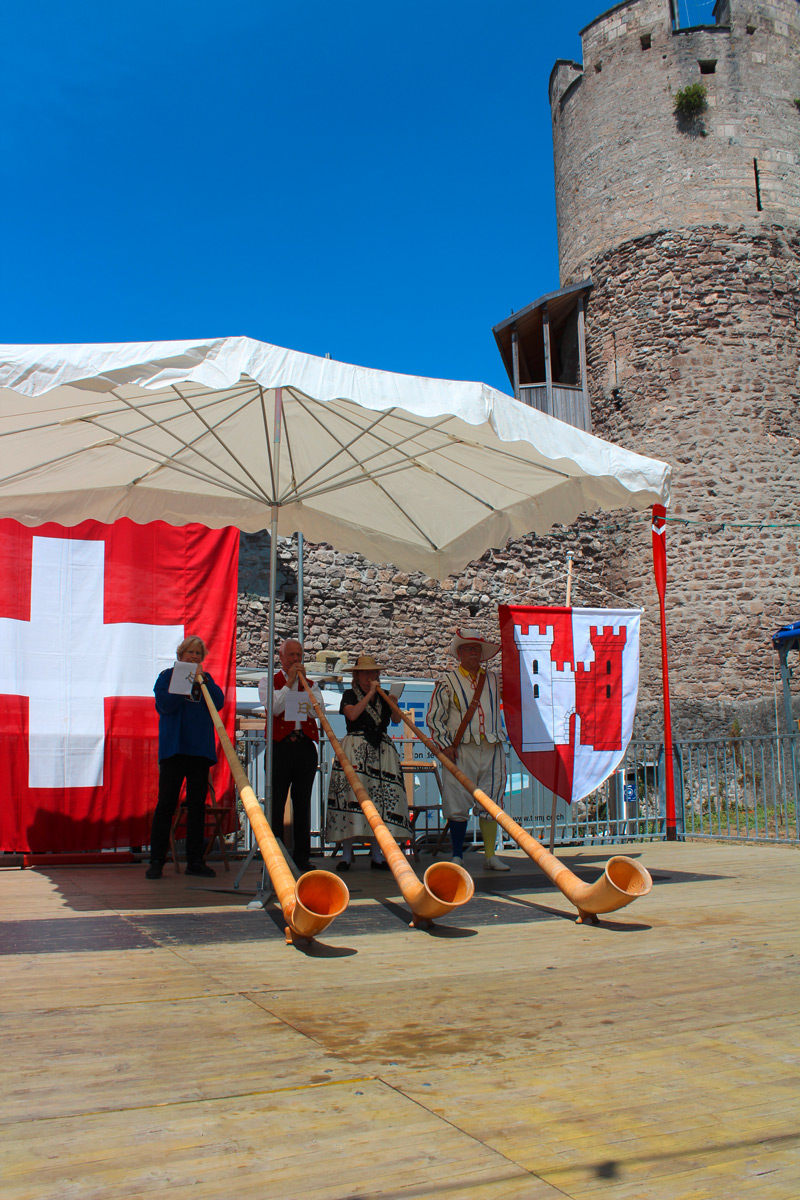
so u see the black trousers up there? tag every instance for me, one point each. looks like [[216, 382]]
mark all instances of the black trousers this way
[[171, 774], [294, 765]]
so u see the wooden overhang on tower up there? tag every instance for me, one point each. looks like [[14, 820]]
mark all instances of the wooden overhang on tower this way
[[543, 347]]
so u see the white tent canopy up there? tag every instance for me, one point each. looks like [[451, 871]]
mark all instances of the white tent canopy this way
[[424, 473]]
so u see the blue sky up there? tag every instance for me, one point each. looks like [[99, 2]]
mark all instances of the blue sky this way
[[370, 180]]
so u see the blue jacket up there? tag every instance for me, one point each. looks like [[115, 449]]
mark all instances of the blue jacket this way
[[185, 725]]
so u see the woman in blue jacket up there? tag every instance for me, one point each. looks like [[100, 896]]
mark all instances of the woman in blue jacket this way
[[186, 751]]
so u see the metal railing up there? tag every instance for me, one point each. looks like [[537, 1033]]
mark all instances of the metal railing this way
[[742, 789]]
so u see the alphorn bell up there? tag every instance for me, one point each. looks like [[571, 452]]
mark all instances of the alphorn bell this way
[[309, 905], [622, 882], [445, 885]]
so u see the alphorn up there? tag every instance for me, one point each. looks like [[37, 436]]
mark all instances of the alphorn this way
[[309, 905], [445, 885], [622, 882]]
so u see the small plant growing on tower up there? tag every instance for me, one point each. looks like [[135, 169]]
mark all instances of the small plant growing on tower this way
[[691, 101], [797, 102]]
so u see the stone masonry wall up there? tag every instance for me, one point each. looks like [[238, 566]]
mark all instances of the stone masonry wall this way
[[625, 165], [407, 620], [693, 349], [692, 324]]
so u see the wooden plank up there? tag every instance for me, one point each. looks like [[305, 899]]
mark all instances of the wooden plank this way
[[319, 1144], [655, 1055], [548, 367], [586, 422]]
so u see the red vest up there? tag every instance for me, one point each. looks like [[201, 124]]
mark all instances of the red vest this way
[[281, 728]]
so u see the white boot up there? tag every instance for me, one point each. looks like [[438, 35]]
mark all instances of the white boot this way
[[495, 864]]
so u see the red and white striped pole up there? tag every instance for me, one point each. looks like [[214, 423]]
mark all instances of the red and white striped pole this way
[[660, 572]]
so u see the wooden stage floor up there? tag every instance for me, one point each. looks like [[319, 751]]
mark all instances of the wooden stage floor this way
[[160, 1036]]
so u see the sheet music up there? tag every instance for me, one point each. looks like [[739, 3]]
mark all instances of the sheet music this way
[[182, 678], [298, 706]]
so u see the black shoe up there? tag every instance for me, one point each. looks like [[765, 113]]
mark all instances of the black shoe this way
[[200, 869], [343, 866], [305, 866], [378, 866], [154, 871]]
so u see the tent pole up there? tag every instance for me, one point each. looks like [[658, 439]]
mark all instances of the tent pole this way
[[570, 556], [273, 589], [300, 608], [660, 572]]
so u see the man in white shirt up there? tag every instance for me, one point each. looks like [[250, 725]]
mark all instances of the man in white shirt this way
[[466, 723], [294, 749]]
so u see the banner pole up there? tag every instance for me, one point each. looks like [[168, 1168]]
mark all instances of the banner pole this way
[[660, 572], [570, 556]]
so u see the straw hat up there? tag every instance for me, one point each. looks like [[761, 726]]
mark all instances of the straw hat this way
[[471, 637], [365, 662]]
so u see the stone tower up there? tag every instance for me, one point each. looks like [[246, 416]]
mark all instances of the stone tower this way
[[687, 228]]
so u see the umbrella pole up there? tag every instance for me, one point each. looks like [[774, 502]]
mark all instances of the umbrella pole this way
[[273, 588]]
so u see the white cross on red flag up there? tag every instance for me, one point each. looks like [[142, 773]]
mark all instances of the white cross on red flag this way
[[570, 684], [89, 616]]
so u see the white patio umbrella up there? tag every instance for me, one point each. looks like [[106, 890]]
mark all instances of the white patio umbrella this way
[[424, 473]]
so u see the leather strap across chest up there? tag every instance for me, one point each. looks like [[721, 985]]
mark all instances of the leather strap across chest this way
[[470, 713]]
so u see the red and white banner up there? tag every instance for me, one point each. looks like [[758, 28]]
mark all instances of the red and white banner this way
[[570, 683], [89, 615]]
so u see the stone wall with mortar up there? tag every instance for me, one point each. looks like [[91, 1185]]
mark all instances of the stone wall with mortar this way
[[692, 325], [407, 620], [693, 351], [625, 165], [692, 342]]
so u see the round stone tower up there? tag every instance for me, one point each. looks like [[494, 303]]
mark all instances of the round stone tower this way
[[626, 165], [687, 225]]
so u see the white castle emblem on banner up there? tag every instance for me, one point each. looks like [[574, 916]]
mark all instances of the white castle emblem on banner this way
[[553, 692]]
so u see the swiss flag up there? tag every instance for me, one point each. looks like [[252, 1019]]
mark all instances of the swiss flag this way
[[89, 615], [570, 684]]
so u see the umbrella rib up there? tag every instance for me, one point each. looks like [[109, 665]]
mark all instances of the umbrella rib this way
[[289, 450], [157, 399], [212, 430], [41, 466], [131, 446], [233, 489], [169, 460], [265, 419], [137, 453], [408, 459], [390, 498], [163, 461], [344, 447]]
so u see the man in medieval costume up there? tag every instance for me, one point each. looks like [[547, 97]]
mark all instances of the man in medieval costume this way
[[467, 725]]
